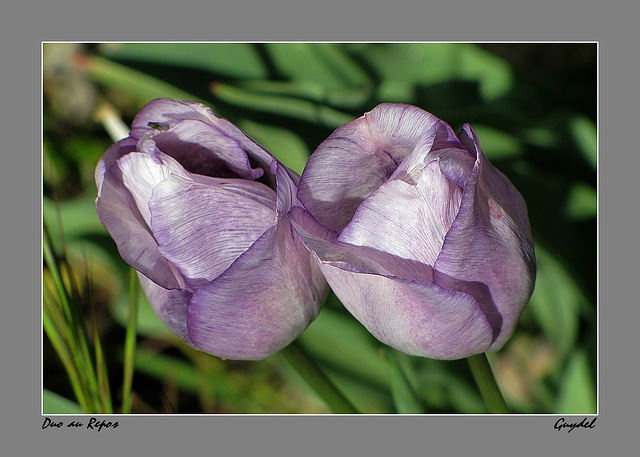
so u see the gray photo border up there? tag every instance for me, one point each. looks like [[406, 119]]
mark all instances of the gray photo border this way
[[25, 27]]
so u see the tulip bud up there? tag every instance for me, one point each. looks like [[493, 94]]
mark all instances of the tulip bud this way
[[421, 238], [201, 211]]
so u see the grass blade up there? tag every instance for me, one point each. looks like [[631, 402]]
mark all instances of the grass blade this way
[[130, 342]]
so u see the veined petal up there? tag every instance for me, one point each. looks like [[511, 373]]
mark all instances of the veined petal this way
[[120, 215], [205, 135], [271, 293], [490, 242], [202, 229], [268, 296], [169, 305], [141, 172], [287, 189], [202, 148], [357, 270], [243, 188], [416, 318], [324, 245], [407, 220], [455, 164], [110, 157], [498, 185], [358, 157]]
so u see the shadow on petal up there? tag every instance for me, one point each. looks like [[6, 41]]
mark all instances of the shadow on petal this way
[[479, 291]]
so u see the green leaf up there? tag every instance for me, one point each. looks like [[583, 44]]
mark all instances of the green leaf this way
[[79, 216], [447, 386], [282, 106], [577, 391], [148, 323], [324, 63], [493, 73], [497, 144], [585, 135], [555, 303], [164, 367], [402, 383], [367, 398], [426, 63], [582, 202], [339, 340], [235, 60], [394, 91], [315, 377], [433, 63], [52, 403], [284, 144], [312, 91], [210, 374], [140, 86]]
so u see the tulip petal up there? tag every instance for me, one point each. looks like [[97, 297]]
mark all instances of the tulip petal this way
[[358, 157], [407, 220], [490, 242], [164, 113], [192, 133], [414, 317], [395, 299], [141, 172], [266, 298], [203, 228], [169, 305], [455, 164], [120, 215], [119, 149], [324, 245], [203, 149]]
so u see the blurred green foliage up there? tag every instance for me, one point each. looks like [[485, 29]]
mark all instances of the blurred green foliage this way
[[534, 107]]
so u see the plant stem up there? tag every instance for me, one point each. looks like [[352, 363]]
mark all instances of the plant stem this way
[[130, 342], [317, 379], [486, 382], [402, 383]]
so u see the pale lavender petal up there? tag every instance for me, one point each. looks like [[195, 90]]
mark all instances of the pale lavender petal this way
[[261, 303], [416, 318], [243, 188], [141, 173], [429, 246], [390, 142], [110, 157], [266, 298], [455, 164], [498, 185], [169, 305], [203, 149], [164, 113], [191, 202], [287, 186], [192, 133], [397, 301], [324, 245], [120, 215], [202, 229], [360, 155], [407, 220], [490, 242]]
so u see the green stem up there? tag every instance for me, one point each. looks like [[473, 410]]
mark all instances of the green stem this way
[[317, 379], [486, 382], [130, 342]]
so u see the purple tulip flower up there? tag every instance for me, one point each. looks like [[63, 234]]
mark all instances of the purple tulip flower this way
[[202, 213], [421, 238]]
